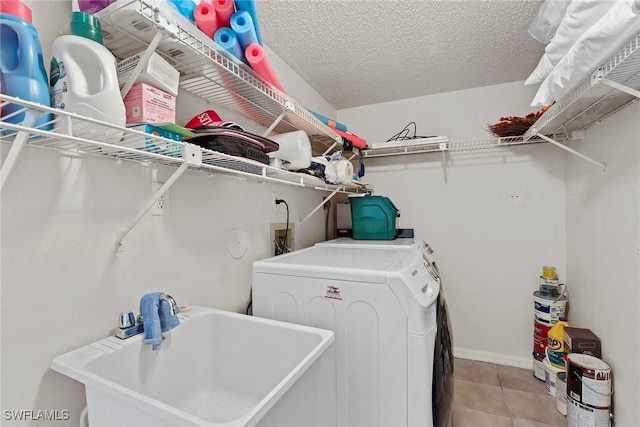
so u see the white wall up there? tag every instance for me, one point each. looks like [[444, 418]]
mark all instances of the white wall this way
[[63, 283], [502, 216], [493, 226], [603, 237]]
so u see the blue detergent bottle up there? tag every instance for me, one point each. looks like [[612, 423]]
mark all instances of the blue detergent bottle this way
[[22, 72]]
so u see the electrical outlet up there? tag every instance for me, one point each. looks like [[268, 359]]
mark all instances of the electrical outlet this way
[[161, 207], [274, 196]]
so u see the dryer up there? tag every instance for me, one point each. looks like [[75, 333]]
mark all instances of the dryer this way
[[382, 305]]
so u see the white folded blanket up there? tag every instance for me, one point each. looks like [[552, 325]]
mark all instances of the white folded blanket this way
[[596, 45], [550, 14], [580, 16]]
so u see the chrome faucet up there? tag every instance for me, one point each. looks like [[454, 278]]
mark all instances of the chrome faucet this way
[[174, 307], [129, 325]]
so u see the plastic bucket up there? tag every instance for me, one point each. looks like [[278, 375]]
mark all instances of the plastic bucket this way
[[561, 392], [549, 309], [294, 148], [589, 380], [373, 217], [549, 288], [538, 366], [550, 375]]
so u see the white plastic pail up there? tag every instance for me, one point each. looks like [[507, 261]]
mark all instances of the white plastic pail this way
[[294, 150]]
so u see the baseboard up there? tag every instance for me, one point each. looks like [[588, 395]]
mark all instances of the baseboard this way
[[498, 358]]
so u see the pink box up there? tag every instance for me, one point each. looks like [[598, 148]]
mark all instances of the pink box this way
[[147, 104]]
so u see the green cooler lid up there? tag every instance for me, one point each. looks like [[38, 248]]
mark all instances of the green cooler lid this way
[[86, 25]]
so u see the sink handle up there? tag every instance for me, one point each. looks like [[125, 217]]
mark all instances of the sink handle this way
[[126, 320]]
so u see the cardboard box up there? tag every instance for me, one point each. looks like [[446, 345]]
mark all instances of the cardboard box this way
[[147, 104], [158, 145], [579, 340], [157, 72]]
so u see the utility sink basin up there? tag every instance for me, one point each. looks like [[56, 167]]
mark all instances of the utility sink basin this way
[[215, 369]]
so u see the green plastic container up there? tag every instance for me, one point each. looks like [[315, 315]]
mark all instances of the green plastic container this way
[[373, 217]]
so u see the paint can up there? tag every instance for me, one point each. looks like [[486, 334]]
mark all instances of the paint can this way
[[589, 381], [550, 375], [549, 309], [549, 284], [549, 273], [561, 392], [579, 415], [540, 335], [538, 365]]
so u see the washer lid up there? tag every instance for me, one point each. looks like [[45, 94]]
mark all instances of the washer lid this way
[[338, 263], [406, 242]]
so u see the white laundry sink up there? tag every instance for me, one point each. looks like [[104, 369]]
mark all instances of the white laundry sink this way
[[216, 368]]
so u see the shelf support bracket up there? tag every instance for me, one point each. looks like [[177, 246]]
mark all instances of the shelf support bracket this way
[[17, 146], [444, 147], [621, 87], [192, 155], [143, 61], [288, 108], [325, 200], [328, 150], [172, 179], [572, 151]]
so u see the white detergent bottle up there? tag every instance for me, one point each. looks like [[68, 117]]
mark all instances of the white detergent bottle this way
[[84, 81]]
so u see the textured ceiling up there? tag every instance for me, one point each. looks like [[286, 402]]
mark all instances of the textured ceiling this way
[[359, 52]]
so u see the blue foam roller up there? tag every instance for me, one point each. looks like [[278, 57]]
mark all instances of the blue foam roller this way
[[186, 8], [242, 25], [250, 6], [327, 121], [226, 38]]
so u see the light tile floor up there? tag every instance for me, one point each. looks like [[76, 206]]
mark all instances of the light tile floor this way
[[488, 395]]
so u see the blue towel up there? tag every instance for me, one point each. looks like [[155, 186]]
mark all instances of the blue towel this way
[[168, 321], [156, 318]]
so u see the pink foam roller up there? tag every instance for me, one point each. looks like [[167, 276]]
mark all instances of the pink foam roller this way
[[258, 60], [206, 18], [224, 10]]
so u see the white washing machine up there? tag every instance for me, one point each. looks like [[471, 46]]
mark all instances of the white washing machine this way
[[398, 243], [382, 306], [443, 361]]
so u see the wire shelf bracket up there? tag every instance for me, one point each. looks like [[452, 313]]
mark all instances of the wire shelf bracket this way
[[444, 147], [288, 108], [621, 87], [192, 156], [17, 146], [325, 200], [572, 151], [157, 38], [330, 148]]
